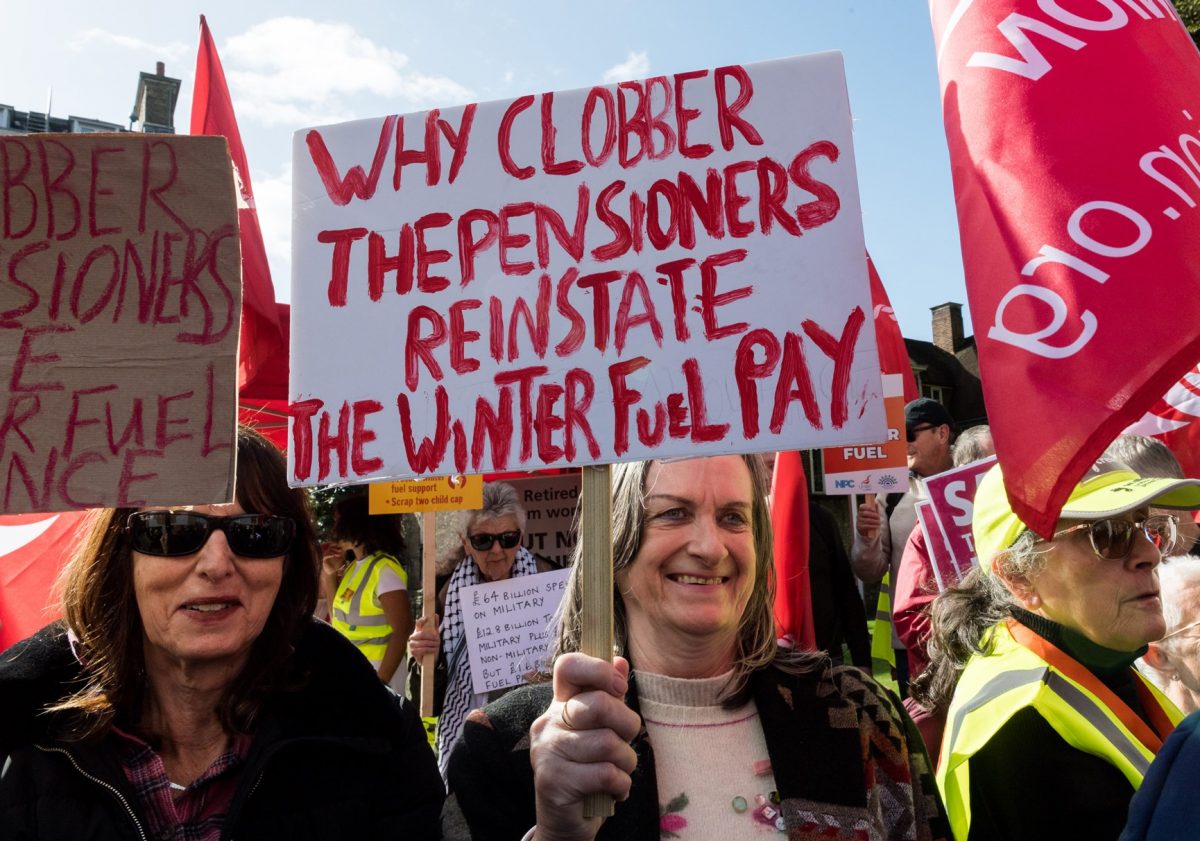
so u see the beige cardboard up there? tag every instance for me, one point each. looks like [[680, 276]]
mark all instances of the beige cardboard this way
[[120, 303]]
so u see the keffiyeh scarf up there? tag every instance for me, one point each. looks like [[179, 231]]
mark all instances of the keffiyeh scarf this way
[[460, 699]]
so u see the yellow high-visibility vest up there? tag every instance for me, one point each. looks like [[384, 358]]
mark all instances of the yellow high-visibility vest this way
[[357, 612], [883, 656], [1024, 670]]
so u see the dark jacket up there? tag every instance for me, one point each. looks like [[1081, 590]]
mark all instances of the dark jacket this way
[[339, 757], [1166, 808], [843, 753], [839, 617]]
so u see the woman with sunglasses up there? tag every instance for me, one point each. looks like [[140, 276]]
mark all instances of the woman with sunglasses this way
[[188, 693], [491, 551], [1049, 728]]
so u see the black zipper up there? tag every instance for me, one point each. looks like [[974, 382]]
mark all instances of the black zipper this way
[[253, 789], [115, 791]]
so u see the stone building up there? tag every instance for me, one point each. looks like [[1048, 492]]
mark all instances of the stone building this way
[[153, 111]]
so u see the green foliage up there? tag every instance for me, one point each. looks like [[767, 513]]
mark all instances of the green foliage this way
[[324, 498], [1189, 10]]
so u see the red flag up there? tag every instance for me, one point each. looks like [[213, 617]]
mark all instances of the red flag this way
[[893, 355], [789, 517], [33, 549], [263, 343], [1073, 138], [1174, 421]]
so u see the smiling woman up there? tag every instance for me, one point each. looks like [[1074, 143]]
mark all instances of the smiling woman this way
[[703, 727], [189, 693]]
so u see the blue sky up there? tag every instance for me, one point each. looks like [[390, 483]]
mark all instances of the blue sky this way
[[296, 64]]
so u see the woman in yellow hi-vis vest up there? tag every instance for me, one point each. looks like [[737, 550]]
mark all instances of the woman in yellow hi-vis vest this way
[[1050, 730], [368, 593]]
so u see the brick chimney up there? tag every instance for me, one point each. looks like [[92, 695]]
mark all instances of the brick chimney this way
[[154, 107], [948, 327]]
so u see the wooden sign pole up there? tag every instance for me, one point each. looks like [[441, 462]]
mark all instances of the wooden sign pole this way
[[870, 500], [596, 576], [428, 603]]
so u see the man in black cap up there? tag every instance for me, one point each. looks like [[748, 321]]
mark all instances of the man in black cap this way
[[882, 527]]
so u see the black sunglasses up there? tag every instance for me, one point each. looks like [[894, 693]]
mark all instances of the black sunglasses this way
[[911, 434], [483, 541], [174, 533]]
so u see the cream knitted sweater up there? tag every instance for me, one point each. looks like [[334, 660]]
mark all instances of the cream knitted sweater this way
[[714, 774]]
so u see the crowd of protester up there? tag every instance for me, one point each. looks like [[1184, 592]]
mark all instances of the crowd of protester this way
[[189, 692]]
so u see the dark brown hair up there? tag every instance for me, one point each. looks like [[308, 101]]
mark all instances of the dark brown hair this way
[[353, 523], [100, 607]]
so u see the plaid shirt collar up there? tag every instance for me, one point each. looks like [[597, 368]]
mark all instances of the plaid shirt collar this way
[[198, 812]]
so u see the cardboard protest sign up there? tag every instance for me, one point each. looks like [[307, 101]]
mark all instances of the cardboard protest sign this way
[[550, 503], [951, 496], [507, 625], [1080, 256], [119, 321], [447, 493], [583, 277], [880, 468], [945, 570]]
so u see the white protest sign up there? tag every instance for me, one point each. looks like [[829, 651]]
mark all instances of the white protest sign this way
[[507, 626], [550, 503], [666, 267]]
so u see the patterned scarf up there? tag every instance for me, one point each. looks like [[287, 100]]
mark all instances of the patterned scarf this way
[[460, 698]]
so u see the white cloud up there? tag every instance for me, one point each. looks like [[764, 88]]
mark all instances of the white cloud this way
[[634, 67], [299, 71], [273, 200], [171, 52]]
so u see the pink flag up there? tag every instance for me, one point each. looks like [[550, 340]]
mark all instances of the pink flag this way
[[33, 550], [1073, 135], [1175, 420], [263, 344]]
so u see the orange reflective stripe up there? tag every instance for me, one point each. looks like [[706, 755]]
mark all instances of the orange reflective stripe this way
[[1077, 672], [1158, 716]]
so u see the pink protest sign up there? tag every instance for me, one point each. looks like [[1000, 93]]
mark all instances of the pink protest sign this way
[[945, 570], [951, 497]]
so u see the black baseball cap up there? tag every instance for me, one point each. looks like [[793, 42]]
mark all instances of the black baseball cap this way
[[926, 410]]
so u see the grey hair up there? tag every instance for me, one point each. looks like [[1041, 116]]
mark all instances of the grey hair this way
[[972, 444], [757, 644], [500, 499], [1174, 575], [962, 617], [1145, 456]]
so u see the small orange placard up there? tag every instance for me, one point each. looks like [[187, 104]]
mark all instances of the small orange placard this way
[[446, 493]]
